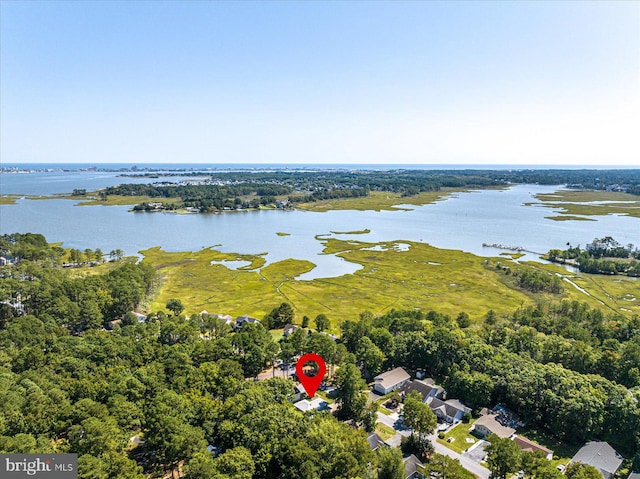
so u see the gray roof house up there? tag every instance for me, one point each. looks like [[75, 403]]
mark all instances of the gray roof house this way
[[288, 329], [411, 467], [426, 388], [600, 455], [241, 320], [450, 410], [390, 380], [375, 441]]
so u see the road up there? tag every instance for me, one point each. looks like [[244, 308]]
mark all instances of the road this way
[[469, 464]]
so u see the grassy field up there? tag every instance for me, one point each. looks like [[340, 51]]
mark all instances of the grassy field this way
[[378, 200], [460, 433], [578, 202]]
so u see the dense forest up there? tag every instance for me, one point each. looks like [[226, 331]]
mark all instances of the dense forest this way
[[79, 373]]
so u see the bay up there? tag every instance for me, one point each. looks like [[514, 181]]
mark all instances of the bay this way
[[464, 221]]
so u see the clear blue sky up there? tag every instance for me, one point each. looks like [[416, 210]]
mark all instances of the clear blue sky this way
[[321, 82]]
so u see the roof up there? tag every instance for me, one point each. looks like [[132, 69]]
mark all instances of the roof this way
[[423, 387], [247, 318], [310, 405], [634, 475], [458, 405], [489, 421], [375, 441], [391, 378], [411, 465], [450, 407], [528, 445], [600, 455]]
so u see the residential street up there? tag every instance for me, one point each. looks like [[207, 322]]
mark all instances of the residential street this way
[[469, 464]]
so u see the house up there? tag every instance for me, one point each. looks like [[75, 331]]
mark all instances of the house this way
[[112, 324], [390, 380], [426, 388], [600, 455], [634, 475], [375, 441], [450, 410], [227, 318], [139, 316], [527, 445], [299, 392], [242, 320], [3, 261], [317, 404], [332, 336], [412, 467], [488, 425], [288, 329]]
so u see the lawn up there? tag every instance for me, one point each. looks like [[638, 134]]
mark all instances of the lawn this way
[[460, 433], [385, 432]]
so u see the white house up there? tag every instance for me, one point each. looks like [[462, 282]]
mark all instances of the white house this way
[[317, 404], [488, 425], [390, 380]]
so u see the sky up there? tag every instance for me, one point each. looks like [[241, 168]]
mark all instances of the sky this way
[[417, 82]]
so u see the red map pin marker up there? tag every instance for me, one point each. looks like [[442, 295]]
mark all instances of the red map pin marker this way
[[311, 383]]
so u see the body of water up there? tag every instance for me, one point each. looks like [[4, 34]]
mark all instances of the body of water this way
[[464, 221]]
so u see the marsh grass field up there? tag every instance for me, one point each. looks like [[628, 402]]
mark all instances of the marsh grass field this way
[[379, 201], [587, 203], [394, 275]]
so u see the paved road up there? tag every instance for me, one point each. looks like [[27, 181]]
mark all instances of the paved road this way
[[469, 464]]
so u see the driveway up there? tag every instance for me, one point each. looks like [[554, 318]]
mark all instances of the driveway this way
[[467, 462], [477, 453], [394, 422]]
